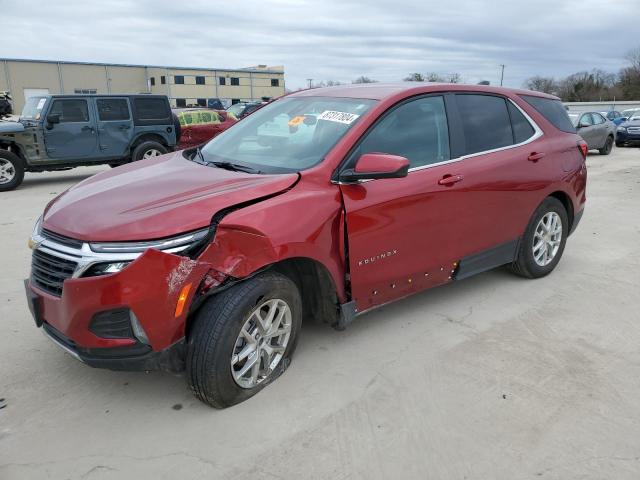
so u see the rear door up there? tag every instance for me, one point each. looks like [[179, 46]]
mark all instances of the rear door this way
[[115, 126], [588, 131], [600, 130], [75, 137]]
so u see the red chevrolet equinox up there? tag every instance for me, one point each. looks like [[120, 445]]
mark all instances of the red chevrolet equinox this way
[[323, 204]]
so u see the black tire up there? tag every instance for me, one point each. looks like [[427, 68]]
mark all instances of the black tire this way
[[525, 264], [213, 335], [178, 127], [144, 147], [608, 146], [15, 164], [619, 144]]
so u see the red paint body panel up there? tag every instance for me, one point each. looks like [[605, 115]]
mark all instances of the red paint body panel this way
[[193, 135], [420, 226], [154, 198]]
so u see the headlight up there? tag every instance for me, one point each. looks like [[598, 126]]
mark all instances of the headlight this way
[[170, 245], [622, 129], [36, 235], [104, 268]]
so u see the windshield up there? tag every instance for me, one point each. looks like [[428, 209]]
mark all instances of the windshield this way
[[634, 116], [236, 109], [33, 107], [630, 112], [289, 135]]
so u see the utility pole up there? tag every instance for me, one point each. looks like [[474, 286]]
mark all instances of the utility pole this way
[[502, 74], [310, 80]]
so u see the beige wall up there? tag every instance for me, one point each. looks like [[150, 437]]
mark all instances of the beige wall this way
[[67, 77]]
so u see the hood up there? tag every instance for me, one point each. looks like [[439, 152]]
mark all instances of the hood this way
[[634, 123], [11, 127], [154, 198]]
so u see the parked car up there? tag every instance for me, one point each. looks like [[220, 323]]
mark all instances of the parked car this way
[[6, 107], [628, 133], [629, 112], [58, 132], [614, 116], [199, 126], [241, 110], [597, 131], [210, 258]]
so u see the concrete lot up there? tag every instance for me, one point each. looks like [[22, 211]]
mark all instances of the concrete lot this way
[[494, 377]]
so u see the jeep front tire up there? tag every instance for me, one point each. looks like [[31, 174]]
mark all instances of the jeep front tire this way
[[11, 170], [242, 339]]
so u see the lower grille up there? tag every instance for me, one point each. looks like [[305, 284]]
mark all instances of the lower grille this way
[[49, 272]]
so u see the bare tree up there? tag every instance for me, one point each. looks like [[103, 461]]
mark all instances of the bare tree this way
[[541, 84], [434, 77], [414, 77], [363, 79], [454, 78], [633, 57]]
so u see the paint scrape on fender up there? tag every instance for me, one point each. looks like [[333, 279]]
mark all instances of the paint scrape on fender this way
[[179, 274]]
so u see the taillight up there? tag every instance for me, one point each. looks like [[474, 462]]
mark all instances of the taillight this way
[[582, 145]]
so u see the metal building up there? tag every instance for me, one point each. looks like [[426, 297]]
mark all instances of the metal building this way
[[184, 86]]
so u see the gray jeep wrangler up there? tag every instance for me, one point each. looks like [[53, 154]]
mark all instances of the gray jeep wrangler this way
[[59, 132]]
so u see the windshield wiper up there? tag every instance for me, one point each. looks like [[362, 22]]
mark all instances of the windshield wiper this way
[[200, 156], [237, 167]]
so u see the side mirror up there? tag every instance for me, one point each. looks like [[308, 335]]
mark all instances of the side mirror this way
[[52, 120], [583, 124], [624, 119], [372, 166]]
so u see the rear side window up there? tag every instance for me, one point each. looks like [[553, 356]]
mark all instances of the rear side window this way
[[485, 122], [112, 109], [522, 129], [151, 111], [552, 110], [416, 130], [70, 110]]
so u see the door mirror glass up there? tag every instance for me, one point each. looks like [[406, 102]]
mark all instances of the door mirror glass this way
[[53, 119], [371, 166]]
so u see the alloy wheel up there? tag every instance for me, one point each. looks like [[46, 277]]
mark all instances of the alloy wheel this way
[[547, 239], [152, 152], [261, 343], [7, 171]]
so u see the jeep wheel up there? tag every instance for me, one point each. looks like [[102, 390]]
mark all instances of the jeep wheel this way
[[608, 146], [11, 170], [544, 240], [243, 339], [148, 149]]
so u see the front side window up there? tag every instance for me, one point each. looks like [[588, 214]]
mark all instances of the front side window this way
[[289, 135], [110, 109], [597, 118], [485, 122], [70, 110], [585, 120], [416, 130]]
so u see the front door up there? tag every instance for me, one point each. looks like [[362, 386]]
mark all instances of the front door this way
[[75, 137], [462, 197], [115, 126], [588, 131]]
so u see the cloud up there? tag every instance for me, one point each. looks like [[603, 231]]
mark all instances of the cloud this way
[[331, 39]]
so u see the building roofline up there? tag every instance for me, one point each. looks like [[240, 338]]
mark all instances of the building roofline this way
[[65, 62]]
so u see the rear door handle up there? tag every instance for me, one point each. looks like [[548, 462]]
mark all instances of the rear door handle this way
[[124, 127], [535, 156], [450, 179]]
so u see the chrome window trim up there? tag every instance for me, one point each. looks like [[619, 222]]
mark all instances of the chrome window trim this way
[[536, 134]]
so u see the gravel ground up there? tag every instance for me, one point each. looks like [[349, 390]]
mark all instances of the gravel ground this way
[[494, 377]]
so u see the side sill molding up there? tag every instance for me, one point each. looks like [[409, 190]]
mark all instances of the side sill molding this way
[[487, 259]]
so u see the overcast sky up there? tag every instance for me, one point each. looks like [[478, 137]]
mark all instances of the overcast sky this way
[[331, 39]]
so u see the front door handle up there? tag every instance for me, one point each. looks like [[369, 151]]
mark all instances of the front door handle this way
[[87, 129], [450, 179], [535, 156]]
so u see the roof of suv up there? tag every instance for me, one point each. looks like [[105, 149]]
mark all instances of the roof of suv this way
[[380, 91]]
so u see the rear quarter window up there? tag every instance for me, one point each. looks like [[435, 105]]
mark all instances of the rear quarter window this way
[[552, 110], [152, 111]]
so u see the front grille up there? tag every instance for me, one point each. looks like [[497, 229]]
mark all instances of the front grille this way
[[633, 129], [49, 272], [61, 239]]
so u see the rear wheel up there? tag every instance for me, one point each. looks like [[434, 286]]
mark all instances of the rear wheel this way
[[11, 170], [608, 146], [544, 240], [148, 149], [242, 339]]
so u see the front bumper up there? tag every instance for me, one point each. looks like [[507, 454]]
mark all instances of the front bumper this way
[[149, 287], [627, 137]]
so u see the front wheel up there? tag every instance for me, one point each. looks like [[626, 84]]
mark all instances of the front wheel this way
[[11, 170], [544, 240], [608, 146], [242, 339]]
